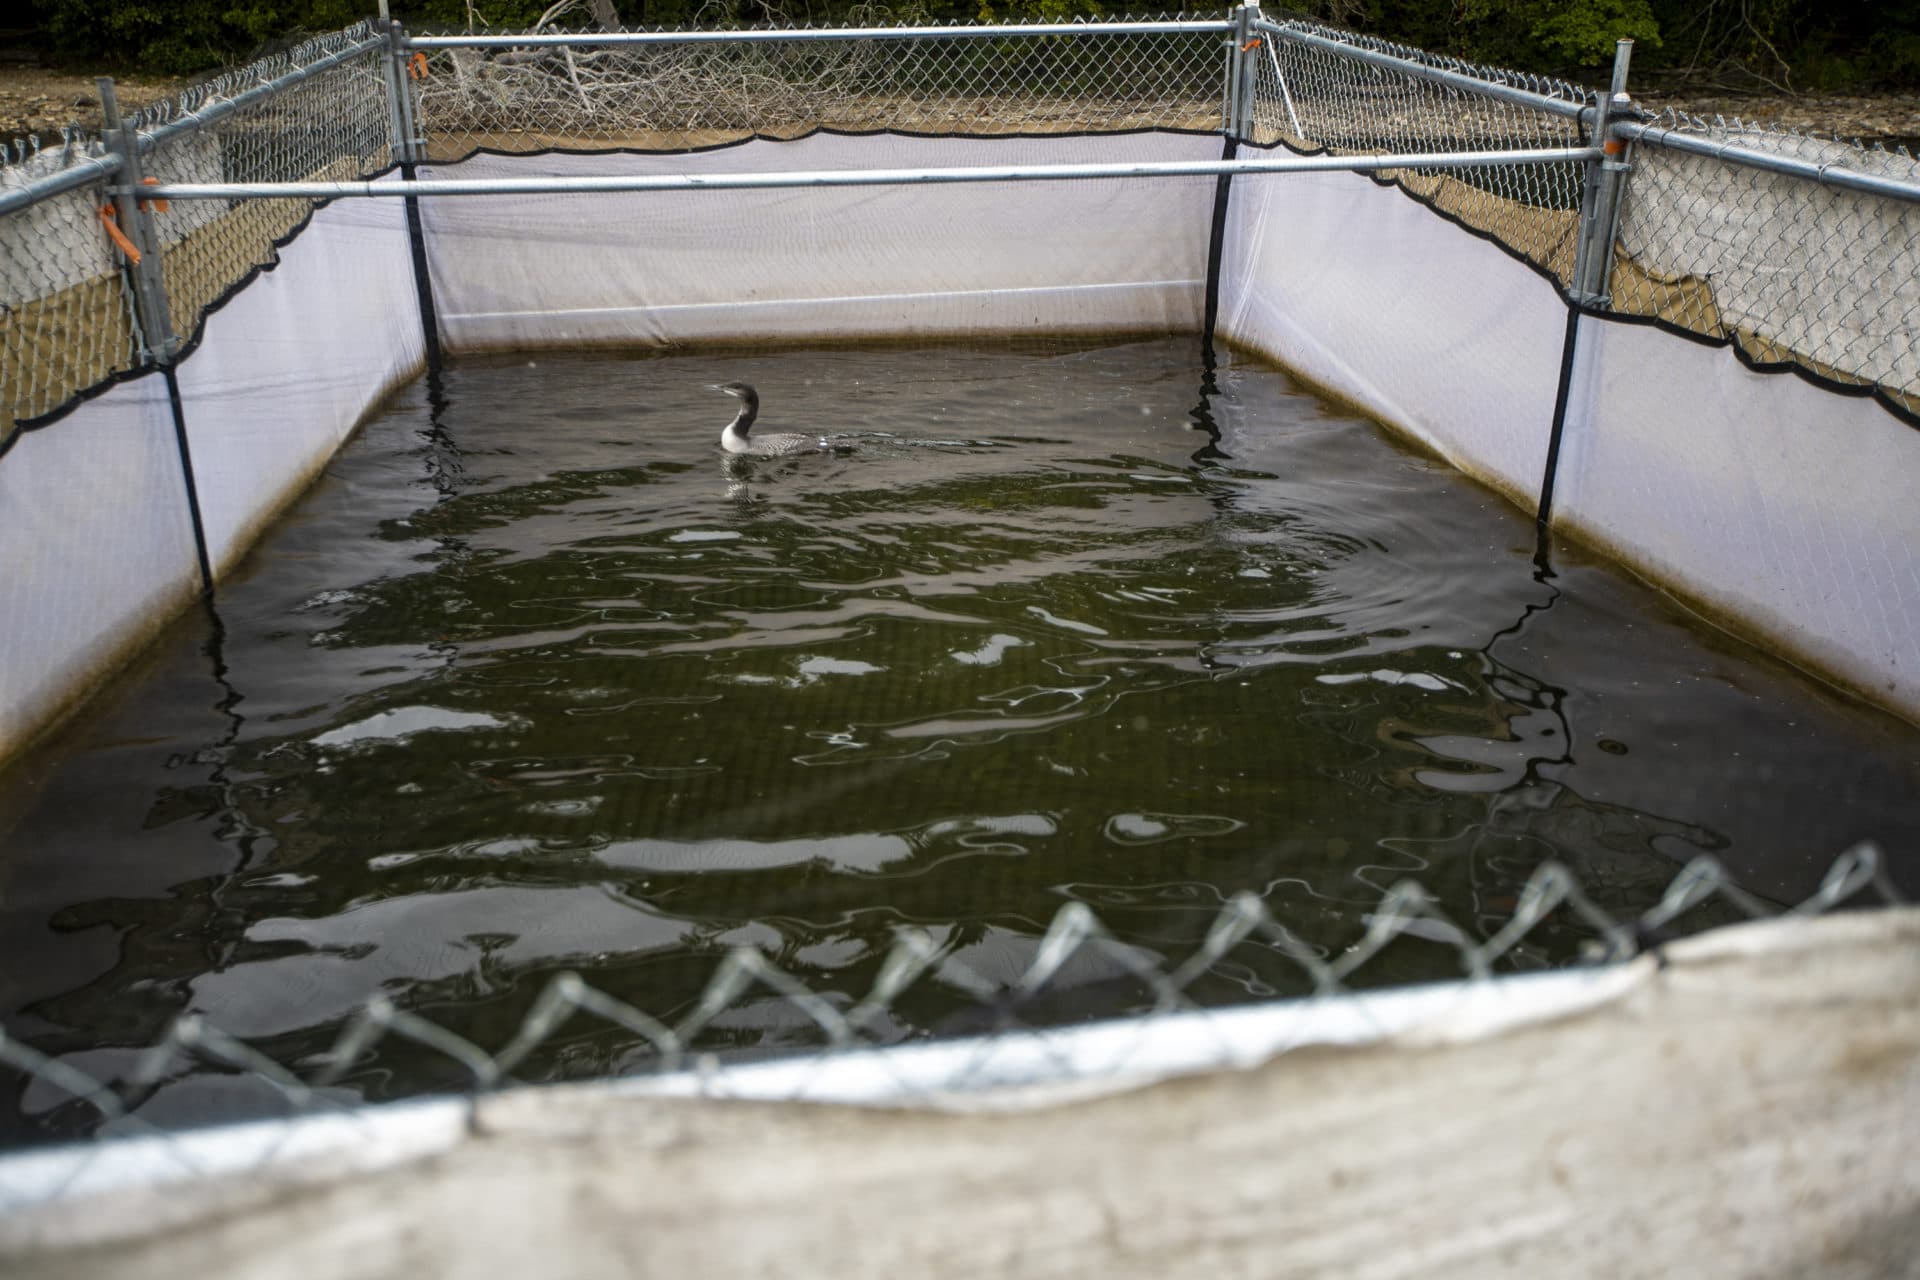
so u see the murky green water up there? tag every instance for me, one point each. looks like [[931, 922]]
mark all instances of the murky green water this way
[[534, 681]]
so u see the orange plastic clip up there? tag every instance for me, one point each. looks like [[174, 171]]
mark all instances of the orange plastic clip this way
[[1250, 45], [417, 66], [111, 222], [1613, 147], [158, 206]]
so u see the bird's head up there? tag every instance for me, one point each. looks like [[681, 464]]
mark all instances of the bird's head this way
[[738, 390]]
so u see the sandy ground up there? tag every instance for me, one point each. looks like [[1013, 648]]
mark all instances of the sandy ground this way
[[34, 100]]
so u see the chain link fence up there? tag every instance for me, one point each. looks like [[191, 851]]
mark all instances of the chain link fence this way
[[66, 313], [67, 1096], [68, 323], [663, 96], [1792, 271], [317, 112], [1320, 89]]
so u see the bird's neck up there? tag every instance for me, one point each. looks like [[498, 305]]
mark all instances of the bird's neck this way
[[734, 438], [742, 421]]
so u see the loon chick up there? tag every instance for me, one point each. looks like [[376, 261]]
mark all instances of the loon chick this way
[[734, 439]]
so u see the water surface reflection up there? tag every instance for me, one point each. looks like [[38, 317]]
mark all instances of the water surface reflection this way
[[535, 680]]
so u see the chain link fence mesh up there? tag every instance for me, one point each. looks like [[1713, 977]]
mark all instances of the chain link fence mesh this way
[[66, 314], [334, 125], [67, 319], [670, 96], [573, 1030], [1314, 98], [1791, 271]]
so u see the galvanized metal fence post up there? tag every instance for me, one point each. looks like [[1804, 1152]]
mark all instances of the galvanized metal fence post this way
[[399, 96], [1600, 204], [408, 149], [158, 344], [1241, 64]]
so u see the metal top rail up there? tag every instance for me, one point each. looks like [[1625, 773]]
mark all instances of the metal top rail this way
[[85, 170], [859, 177], [219, 108], [1423, 71], [82, 171], [765, 36], [1830, 174]]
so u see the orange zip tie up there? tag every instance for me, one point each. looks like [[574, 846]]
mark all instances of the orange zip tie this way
[[1613, 147], [158, 206], [1250, 45], [111, 222], [417, 66]]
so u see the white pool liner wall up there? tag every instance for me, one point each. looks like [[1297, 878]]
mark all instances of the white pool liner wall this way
[[831, 264], [293, 361], [98, 535], [1764, 496], [1374, 297], [98, 550], [1783, 505]]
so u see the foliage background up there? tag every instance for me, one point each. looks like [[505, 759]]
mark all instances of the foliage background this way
[[1758, 45]]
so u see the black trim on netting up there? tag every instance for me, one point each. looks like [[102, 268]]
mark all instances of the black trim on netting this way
[[1856, 390], [422, 280], [817, 131], [1544, 509], [1853, 390], [187, 478], [1216, 247]]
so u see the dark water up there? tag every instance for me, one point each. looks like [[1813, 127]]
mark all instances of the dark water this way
[[532, 681]]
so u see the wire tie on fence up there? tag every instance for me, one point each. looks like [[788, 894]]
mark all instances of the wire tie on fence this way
[[68, 1080], [153, 1064], [1398, 905], [1240, 917], [1851, 872], [1699, 880], [567, 994], [223, 1048], [417, 66], [738, 972], [1072, 925], [356, 1038], [912, 954], [157, 206], [111, 221], [434, 1036]]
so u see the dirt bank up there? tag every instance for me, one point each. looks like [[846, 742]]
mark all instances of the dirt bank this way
[[34, 100]]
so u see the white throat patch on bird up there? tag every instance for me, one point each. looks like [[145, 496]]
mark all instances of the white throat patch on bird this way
[[736, 437]]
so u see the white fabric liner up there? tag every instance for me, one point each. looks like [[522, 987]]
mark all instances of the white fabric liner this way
[[98, 550], [1008, 1071], [1374, 297], [1787, 506], [291, 363], [1783, 504], [827, 263]]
